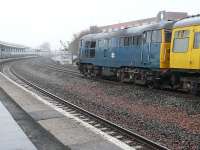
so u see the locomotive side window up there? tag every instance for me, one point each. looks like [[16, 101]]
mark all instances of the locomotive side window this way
[[197, 40], [100, 43], [156, 36], [92, 49], [121, 42], [130, 39], [106, 42], [114, 42], [147, 37], [181, 41], [109, 43], [126, 41], [137, 40]]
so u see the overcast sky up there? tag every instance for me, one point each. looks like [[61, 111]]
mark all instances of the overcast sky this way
[[32, 22]]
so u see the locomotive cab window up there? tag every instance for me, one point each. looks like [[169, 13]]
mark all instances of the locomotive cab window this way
[[181, 41], [87, 45], [197, 40], [90, 49]]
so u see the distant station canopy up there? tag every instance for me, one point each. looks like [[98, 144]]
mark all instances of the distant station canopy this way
[[12, 45], [11, 50], [161, 16]]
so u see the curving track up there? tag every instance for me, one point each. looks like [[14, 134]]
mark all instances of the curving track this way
[[122, 134]]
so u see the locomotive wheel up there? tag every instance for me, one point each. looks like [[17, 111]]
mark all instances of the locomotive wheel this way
[[122, 77], [118, 75], [150, 84], [153, 85], [194, 89]]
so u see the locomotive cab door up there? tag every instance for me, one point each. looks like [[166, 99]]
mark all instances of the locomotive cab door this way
[[180, 56], [146, 48], [195, 52]]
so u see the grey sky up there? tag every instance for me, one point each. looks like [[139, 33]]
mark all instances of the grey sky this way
[[32, 22]]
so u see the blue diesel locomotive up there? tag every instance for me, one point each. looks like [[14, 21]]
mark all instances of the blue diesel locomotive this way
[[138, 54]]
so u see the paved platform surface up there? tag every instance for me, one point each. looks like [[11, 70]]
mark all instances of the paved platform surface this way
[[67, 130], [12, 137]]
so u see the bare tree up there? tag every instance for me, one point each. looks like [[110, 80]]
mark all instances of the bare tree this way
[[45, 46]]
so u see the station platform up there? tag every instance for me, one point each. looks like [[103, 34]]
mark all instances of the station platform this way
[[12, 137], [73, 133]]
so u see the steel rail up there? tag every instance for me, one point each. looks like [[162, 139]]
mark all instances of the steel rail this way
[[79, 75]]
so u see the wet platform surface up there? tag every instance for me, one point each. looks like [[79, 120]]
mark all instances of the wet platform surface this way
[[12, 136], [68, 131]]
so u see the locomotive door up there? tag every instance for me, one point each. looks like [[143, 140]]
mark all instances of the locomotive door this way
[[112, 45], [180, 56], [146, 48]]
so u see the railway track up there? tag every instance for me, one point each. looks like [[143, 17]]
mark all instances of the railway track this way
[[69, 71], [130, 138], [110, 81], [76, 74]]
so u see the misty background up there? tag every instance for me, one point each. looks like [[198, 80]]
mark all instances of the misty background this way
[[38, 22]]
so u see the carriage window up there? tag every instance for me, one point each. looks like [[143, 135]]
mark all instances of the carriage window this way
[[197, 40], [156, 36], [181, 41], [168, 35]]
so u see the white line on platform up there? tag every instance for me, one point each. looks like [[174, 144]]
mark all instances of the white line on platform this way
[[85, 124]]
